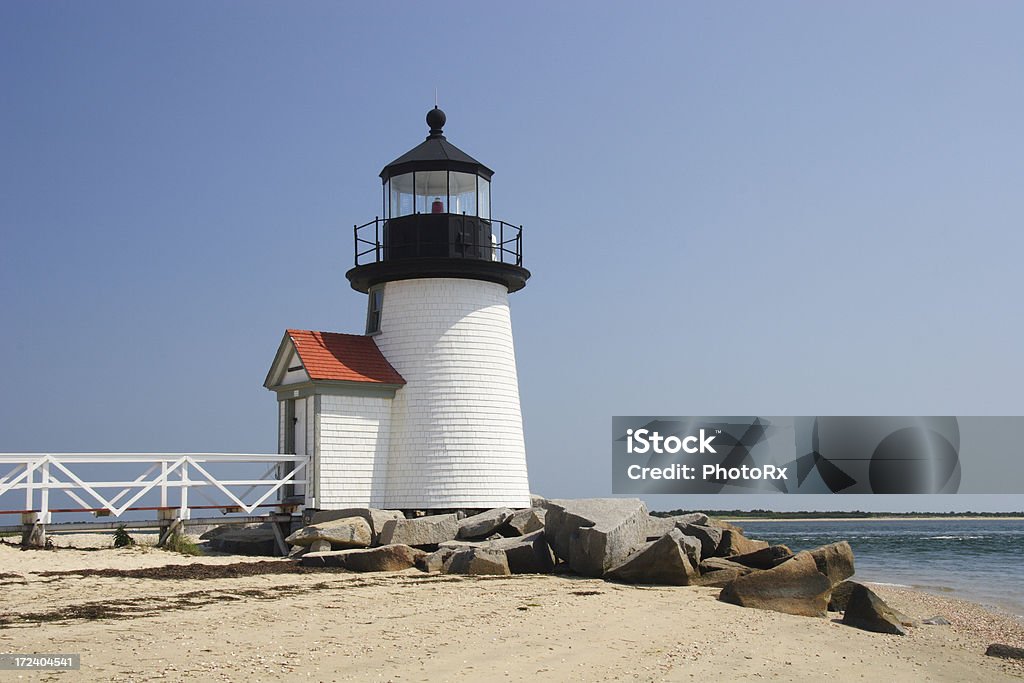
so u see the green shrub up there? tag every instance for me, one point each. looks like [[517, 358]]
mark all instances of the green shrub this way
[[122, 539], [178, 542]]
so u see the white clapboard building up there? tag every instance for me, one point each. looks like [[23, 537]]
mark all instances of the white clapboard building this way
[[422, 411]]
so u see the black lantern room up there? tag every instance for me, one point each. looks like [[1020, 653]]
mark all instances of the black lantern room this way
[[437, 221]]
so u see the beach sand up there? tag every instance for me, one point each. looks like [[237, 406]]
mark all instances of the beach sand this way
[[410, 626]]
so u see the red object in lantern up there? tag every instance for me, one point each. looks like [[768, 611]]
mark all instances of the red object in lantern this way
[[437, 206]]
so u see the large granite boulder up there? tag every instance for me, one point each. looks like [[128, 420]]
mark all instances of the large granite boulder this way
[[374, 517], [835, 561], [866, 611], [477, 560], [692, 547], [716, 572], [723, 525], [664, 561], [794, 587], [659, 526], [386, 558], [766, 558], [426, 531], [527, 554], [483, 524], [524, 522], [434, 562], [709, 537], [348, 532], [840, 595], [595, 534], [735, 543]]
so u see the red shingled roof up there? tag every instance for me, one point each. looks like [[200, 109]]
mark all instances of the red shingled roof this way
[[348, 357]]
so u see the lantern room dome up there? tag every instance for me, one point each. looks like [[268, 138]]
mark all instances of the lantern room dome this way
[[435, 154]]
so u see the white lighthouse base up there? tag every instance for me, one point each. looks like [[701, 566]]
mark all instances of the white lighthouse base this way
[[456, 433]]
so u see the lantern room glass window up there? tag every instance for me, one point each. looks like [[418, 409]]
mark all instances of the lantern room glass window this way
[[431, 191], [400, 192], [484, 189], [463, 192], [437, 192]]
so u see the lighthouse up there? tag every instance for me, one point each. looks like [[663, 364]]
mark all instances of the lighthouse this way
[[421, 411]]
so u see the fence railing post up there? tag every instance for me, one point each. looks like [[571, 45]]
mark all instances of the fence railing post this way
[[29, 493], [183, 510], [44, 493], [163, 483]]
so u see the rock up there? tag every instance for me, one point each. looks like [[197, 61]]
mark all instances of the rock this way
[[422, 531], [593, 535], [835, 561], [538, 501], [348, 532], [708, 536], [245, 541], [659, 526], [735, 543], [484, 523], [716, 572], [298, 551], [936, 621], [794, 587], [719, 524], [766, 558], [663, 561], [434, 562], [374, 517], [840, 596], [318, 546], [524, 522], [527, 554], [478, 561], [656, 527], [868, 612], [692, 547], [386, 558], [714, 564], [1005, 651]]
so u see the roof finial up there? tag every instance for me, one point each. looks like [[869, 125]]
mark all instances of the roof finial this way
[[435, 97], [436, 119]]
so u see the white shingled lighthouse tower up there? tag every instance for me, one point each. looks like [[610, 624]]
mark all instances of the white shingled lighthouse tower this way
[[422, 412]]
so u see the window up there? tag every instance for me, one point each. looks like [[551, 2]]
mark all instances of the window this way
[[400, 191], [485, 198], [463, 189], [374, 306], [431, 192]]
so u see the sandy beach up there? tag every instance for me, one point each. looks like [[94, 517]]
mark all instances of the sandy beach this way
[[410, 626]]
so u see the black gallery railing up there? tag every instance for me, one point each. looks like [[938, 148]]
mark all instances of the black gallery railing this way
[[438, 235]]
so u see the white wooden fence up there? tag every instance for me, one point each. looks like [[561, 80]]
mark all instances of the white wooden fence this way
[[46, 477]]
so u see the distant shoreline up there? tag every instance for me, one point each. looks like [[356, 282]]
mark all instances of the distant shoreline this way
[[908, 518]]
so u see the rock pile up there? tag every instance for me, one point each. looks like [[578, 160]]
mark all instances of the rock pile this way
[[610, 538]]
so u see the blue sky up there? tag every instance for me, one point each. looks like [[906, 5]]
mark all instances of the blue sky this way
[[729, 208]]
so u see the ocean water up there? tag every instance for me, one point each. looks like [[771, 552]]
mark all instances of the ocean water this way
[[977, 560]]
